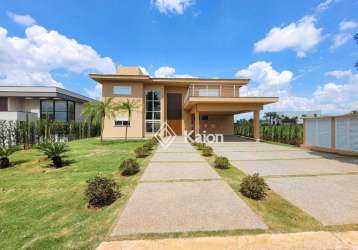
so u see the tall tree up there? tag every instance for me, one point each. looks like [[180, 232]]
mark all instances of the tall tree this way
[[129, 106], [96, 112]]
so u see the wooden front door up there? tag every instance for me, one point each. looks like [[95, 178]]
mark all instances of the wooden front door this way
[[174, 112]]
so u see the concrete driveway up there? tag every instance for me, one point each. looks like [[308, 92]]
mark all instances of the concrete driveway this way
[[324, 185], [180, 192]]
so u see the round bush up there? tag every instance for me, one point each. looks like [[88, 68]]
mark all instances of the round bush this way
[[200, 145], [221, 162], [148, 145], [254, 187], [129, 167], [141, 152], [207, 151], [101, 191]]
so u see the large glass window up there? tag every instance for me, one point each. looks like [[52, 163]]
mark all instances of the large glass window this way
[[47, 109], [152, 111], [70, 111], [60, 110]]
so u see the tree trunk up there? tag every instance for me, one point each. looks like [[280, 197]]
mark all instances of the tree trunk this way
[[102, 127], [57, 161], [126, 132], [4, 162]]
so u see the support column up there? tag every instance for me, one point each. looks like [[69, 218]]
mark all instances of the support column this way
[[196, 122], [257, 125]]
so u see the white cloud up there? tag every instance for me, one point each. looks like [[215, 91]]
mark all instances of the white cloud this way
[[300, 36], [340, 73], [324, 5], [30, 60], [347, 25], [26, 20], [268, 81], [167, 71], [95, 93], [331, 98], [173, 6], [340, 39]]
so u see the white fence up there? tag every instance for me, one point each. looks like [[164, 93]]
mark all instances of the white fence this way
[[334, 133]]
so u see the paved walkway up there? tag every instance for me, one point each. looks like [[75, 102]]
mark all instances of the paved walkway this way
[[321, 184], [180, 192], [307, 240]]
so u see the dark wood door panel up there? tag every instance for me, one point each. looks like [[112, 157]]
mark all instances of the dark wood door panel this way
[[174, 112]]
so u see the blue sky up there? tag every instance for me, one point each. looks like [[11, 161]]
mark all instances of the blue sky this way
[[301, 51]]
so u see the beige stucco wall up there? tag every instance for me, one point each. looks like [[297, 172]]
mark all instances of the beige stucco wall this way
[[136, 129], [223, 124]]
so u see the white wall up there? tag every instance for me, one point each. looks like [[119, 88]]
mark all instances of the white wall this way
[[347, 133]]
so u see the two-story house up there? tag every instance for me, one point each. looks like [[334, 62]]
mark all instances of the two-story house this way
[[199, 104]]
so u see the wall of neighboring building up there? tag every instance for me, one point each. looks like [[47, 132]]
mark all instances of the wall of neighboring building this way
[[32, 105], [15, 104], [135, 130], [217, 124]]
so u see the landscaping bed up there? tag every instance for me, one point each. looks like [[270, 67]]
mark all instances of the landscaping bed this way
[[45, 208]]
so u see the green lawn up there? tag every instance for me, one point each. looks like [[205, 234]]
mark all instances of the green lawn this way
[[45, 208]]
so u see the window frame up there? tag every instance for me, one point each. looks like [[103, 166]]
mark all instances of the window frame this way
[[129, 87], [154, 120], [52, 114]]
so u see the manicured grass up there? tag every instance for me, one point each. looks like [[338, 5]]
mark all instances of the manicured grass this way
[[45, 208], [280, 215]]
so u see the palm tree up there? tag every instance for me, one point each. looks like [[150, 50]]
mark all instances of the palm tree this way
[[129, 107], [96, 112], [5, 152], [54, 151]]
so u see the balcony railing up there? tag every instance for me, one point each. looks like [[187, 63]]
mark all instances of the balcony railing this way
[[216, 90]]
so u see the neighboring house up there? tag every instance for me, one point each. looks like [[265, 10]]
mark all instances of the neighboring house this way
[[19, 103], [299, 114], [198, 104]]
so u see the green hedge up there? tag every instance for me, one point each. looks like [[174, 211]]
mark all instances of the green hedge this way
[[288, 134], [33, 132]]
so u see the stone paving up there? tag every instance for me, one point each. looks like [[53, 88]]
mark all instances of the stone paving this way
[[291, 241], [330, 199], [324, 185], [298, 167], [180, 192]]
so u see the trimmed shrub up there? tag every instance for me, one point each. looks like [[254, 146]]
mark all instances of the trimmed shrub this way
[[101, 191], [254, 187], [148, 145], [154, 140], [221, 162], [207, 151], [129, 167], [141, 152], [200, 145]]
